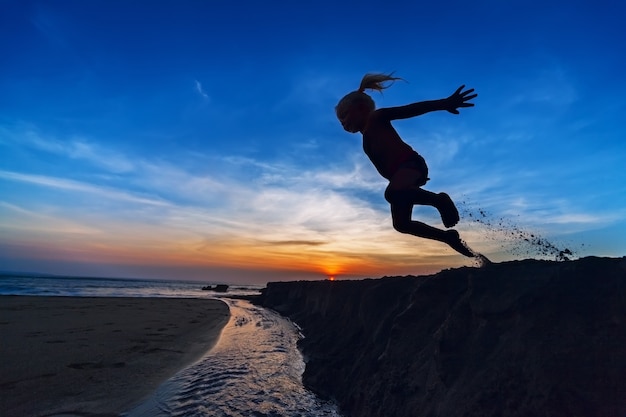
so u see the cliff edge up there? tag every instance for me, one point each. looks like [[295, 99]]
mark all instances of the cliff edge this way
[[522, 338]]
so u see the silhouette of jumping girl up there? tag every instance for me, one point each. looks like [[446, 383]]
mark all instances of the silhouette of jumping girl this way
[[395, 160]]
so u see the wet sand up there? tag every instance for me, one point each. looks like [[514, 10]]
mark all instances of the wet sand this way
[[78, 355]]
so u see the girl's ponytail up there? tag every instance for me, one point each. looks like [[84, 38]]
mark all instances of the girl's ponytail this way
[[376, 82]]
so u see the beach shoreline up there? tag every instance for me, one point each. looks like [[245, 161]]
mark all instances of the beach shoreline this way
[[98, 355]]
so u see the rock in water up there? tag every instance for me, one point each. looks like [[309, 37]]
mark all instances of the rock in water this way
[[521, 338]]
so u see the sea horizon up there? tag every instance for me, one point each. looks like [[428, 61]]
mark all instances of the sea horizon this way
[[42, 284]]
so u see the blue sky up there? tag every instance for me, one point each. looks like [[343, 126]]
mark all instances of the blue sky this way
[[197, 139]]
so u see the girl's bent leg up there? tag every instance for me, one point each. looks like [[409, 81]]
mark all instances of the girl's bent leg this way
[[415, 195], [401, 216], [404, 188], [402, 222]]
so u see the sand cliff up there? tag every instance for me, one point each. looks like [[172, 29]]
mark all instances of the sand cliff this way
[[522, 338]]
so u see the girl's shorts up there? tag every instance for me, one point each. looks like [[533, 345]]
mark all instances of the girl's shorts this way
[[417, 163], [406, 195]]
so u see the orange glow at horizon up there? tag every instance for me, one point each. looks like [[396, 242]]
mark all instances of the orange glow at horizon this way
[[144, 246], [152, 252]]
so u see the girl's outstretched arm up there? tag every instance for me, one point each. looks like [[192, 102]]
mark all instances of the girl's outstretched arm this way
[[451, 104]]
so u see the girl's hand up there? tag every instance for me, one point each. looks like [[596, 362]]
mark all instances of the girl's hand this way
[[460, 98]]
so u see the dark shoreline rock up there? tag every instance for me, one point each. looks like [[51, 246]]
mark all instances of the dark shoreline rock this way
[[216, 288], [522, 338]]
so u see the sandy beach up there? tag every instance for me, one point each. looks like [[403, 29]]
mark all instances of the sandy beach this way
[[97, 355]]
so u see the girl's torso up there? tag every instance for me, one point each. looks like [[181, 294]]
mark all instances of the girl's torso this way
[[384, 147]]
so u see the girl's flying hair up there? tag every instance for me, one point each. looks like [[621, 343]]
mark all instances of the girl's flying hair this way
[[369, 82], [376, 82]]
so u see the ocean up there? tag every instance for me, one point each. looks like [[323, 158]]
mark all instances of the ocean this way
[[14, 284], [255, 369]]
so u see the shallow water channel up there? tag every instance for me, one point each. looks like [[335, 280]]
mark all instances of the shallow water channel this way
[[254, 370]]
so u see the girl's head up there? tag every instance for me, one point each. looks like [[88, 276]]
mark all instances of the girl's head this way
[[353, 109]]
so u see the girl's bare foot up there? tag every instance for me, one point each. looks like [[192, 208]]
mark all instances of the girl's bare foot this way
[[447, 209], [454, 241]]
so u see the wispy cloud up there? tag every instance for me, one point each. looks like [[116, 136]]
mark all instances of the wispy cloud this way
[[200, 90], [76, 186], [24, 219], [72, 148]]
